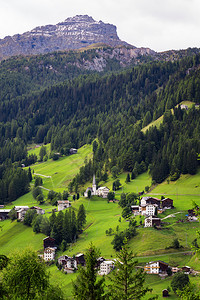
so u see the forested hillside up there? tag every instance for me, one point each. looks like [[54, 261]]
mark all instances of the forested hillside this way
[[111, 107]]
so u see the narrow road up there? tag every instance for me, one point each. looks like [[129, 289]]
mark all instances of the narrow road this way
[[44, 188], [172, 215], [172, 194], [42, 175], [173, 253]]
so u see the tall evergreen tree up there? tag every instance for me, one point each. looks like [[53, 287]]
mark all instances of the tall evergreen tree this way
[[128, 178], [126, 284], [29, 174], [86, 286], [66, 229], [81, 217]]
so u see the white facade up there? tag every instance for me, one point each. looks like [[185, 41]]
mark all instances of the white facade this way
[[150, 221], [106, 267], [152, 268], [63, 204], [151, 209], [101, 192], [49, 254], [71, 263], [143, 201]]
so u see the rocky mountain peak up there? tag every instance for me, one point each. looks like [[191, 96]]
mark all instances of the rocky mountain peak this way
[[73, 33]]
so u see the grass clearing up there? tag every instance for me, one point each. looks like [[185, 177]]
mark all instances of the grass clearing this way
[[35, 149], [62, 170], [159, 121]]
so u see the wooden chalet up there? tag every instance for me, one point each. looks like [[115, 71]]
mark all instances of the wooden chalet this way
[[49, 242]]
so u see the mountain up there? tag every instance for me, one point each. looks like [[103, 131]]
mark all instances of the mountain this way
[[74, 33]]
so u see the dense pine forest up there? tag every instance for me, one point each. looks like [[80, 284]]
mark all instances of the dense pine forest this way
[[70, 107]]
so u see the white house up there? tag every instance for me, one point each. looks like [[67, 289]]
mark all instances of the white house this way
[[49, 254], [106, 267], [151, 221], [21, 211], [149, 209], [101, 192], [156, 267], [71, 265], [63, 204]]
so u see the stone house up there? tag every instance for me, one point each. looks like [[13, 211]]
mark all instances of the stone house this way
[[71, 265]]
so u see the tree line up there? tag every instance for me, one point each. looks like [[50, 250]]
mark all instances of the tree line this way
[[64, 227]]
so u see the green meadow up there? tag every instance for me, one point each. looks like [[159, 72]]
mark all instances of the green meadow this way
[[16, 236], [149, 244], [57, 174], [183, 191], [159, 121], [35, 149]]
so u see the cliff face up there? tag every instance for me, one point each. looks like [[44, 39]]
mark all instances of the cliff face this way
[[74, 33]]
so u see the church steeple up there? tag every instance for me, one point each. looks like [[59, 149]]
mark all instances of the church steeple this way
[[94, 187]]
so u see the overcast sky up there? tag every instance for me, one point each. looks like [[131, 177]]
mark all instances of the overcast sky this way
[[159, 25]]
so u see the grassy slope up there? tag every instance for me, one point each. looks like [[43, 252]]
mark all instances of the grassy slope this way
[[102, 215], [183, 191], [158, 121], [35, 149], [63, 169], [14, 235]]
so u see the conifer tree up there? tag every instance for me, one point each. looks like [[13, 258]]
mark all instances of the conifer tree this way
[[86, 286], [126, 284], [29, 174], [81, 217], [66, 229], [128, 178]]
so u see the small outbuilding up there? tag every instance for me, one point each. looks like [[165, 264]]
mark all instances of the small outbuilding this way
[[165, 293], [73, 151]]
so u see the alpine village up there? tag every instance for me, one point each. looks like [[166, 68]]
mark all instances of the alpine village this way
[[99, 166]]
